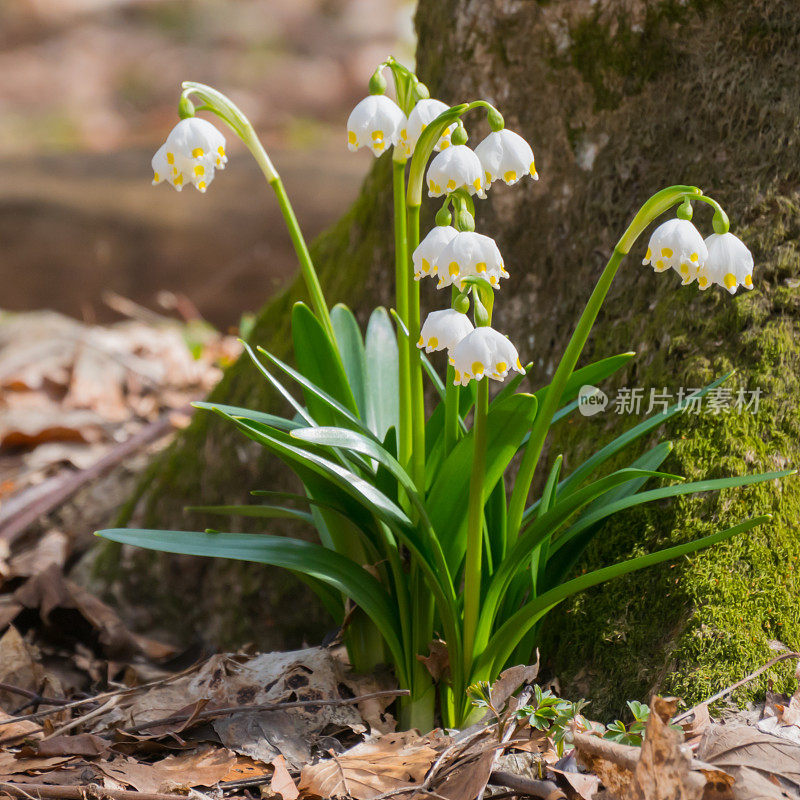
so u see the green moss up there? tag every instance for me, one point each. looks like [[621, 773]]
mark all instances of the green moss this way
[[700, 624]]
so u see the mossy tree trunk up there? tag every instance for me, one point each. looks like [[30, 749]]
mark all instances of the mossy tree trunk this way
[[619, 98]]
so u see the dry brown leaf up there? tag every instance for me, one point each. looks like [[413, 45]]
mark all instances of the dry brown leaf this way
[[19, 666], [245, 767], [11, 765], [282, 782], [25, 727], [49, 590], [753, 757], [306, 675], [204, 767], [582, 783], [81, 744], [370, 768], [437, 662], [510, 680], [698, 724], [663, 771]]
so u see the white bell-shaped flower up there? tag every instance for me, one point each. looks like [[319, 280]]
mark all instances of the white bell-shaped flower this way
[[729, 263], [427, 251], [469, 253], [423, 113], [179, 171], [443, 330], [676, 243], [457, 167], [506, 156], [484, 352], [376, 123], [197, 140]]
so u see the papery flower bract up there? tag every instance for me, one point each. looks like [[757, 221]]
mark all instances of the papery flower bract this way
[[506, 156], [427, 251], [676, 243], [469, 253], [195, 139], [375, 123], [423, 113], [443, 330], [483, 352], [457, 167], [729, 263]]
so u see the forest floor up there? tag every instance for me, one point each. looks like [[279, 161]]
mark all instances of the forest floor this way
[[90, 708]]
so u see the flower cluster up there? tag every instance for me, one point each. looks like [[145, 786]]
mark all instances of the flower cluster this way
[[193, 150], [450, 255], [722, 258]]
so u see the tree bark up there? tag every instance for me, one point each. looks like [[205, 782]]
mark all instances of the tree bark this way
[[619, 98]]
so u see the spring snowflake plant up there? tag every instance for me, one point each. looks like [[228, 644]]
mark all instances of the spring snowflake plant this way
[[425, 528]]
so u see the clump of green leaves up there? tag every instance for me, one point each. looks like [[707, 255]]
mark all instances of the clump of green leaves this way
[[558, 718], [632, 734]]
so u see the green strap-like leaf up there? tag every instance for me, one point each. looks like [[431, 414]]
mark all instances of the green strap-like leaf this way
[[310, 559], [383, 389], [612, 507], [612, 448], [274, 421], [560, 563], [503, 642], [258, 512], [507, 423], [354, 359], [518, 557], [318, 360]]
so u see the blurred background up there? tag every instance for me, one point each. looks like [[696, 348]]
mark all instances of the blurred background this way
[[89, 91]]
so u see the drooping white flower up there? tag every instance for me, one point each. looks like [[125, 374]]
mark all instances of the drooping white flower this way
[[194, 148], [427, 251], [729, 263], [376, 123], [443, 330], [423, 113], [456, 167], [483, 352], [469, 253], [678, 244], [197, 139], [506, 156]]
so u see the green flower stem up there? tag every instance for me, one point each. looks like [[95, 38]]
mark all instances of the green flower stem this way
[[401, 300], [472, 570], [655, 206], [452, 394], [415, 360], [217, 103], [306, 265]]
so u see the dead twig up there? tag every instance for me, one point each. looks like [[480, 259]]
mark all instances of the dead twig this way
[[547, 790], [34, 697], [221, 712], [15, 526], [87, 701], [92, 791], [719, 695]]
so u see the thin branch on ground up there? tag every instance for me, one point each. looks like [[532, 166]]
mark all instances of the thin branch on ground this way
[[33, 697], [221, 712], [547, 790], [719, 695], [92, 791]]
